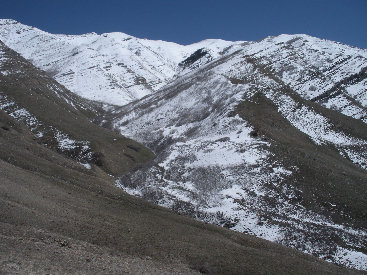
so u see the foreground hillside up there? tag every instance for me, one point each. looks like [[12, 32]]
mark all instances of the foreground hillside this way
[[61, 219], [59, 216]]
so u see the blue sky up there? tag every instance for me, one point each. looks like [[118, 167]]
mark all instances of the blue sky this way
[[190, 21]]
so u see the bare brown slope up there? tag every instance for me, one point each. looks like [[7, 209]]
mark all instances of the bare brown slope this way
[[58, 217]]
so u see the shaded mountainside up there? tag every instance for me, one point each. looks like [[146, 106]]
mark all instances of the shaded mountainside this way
[[58, 216]]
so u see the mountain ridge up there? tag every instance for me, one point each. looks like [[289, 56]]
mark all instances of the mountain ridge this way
[[142, 73], [120, 77]]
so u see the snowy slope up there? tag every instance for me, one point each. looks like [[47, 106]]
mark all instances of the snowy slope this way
[[213, 164], [117, 68], [114, 68], [323, 71]]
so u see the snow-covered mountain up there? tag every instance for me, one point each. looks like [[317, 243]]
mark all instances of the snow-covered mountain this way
[[114, 68], [117, 68], [266, 137], [239, 147], [245, 141]]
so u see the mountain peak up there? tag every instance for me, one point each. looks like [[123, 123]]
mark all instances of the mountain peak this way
[[8, 21]]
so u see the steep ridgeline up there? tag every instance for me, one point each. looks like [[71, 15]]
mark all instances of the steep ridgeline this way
[[117, 68], [237, 145], [57, 119], [114, 68]]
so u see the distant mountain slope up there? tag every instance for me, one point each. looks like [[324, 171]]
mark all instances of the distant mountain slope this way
[[114, 68], [60, 217], [117, 68]]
